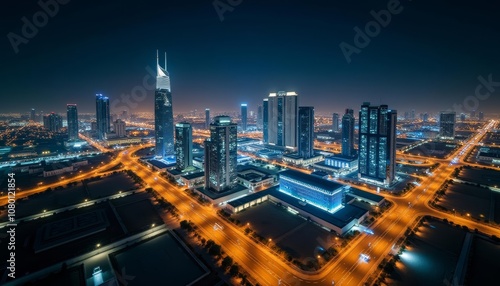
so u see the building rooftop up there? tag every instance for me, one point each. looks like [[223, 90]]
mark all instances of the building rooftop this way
[[311, 180], [160, 164], [367, 195], [215, 195], [340, 218], [193, 175], [249, 198]]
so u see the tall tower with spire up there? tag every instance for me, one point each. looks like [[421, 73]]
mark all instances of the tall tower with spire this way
[[164, 116]]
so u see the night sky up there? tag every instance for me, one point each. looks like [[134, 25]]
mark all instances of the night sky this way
[[427, 58]]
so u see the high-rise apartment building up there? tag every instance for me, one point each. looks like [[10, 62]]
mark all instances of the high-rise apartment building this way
[[244, 116], [282, 119], [306, 132], [207, 118], [335, 122], [221, 154], [377, 143], [348, 134], [72, 118], [102, 116], [119, 128], [52, 122], [447, 125], [265, 121], [183, 145]]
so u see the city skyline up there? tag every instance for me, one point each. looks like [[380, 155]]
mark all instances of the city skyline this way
[[297, 143], [409, 57]]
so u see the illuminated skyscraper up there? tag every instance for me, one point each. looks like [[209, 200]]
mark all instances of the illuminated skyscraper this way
[[259, 117], [183, 145], [447, 125], [119, 128], [207, 118], [32, 115], [282, 119], [244, 116], [221, 154], [348, 134], [377, 143], [102, 116], [52, 122], [164, 116], [306, 132], [265, 120], [72, 118], [335, 122]]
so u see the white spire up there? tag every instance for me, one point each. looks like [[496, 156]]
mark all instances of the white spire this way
[[165, 60], [157, 57]]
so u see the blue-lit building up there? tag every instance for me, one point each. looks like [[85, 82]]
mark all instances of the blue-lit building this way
[[259, 117], [72, 118], [311, 189], [244, 116], [164, 116], [348, 134], [265, 121], [183, 145], [102, 116], [377, 144], [306, 132], [221, 155]]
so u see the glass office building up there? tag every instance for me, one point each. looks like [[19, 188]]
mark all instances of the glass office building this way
[[310, 189], [164, 116]]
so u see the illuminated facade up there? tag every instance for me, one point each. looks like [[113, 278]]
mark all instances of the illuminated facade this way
[[52, 122], [119, 128], [316, 191], [102, 116], [282, 119], [221, 155], [244, 116], [183, 145], [207, 118], [348, 134], [377, 143], [164, 116], [335, 122], [306, 132], [72, 118], [265, 120], [447, 125]]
